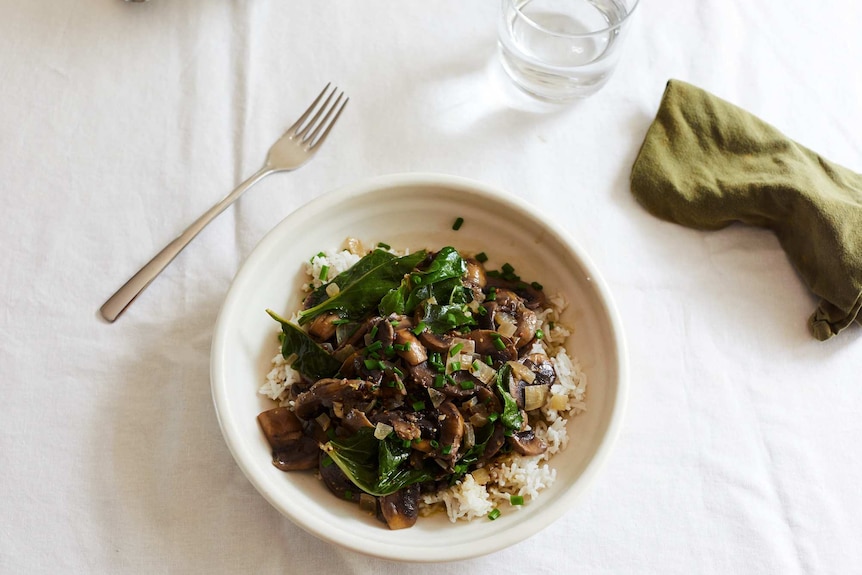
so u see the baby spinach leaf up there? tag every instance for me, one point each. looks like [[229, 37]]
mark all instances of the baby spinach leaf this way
[[350, 275], [511, 416], [444, 318], [363, 291], [312, 360], [374, 466]]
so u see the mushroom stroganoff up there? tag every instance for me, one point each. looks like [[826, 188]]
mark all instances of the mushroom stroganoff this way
[[418, 381]]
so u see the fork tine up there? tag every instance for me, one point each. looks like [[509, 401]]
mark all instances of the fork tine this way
[[332, 123], [310, 124], [310, 109], [323, 122]]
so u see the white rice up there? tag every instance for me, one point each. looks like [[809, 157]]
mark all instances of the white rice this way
[[512, 475]]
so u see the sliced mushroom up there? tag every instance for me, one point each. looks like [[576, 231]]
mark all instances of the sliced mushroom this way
[[354, 420], [422, 374], [401, 509], [434, 342], [451, 430], [329, 390], [526, 443], [525, 319], [302, 454], [323, 327], [280, 426], [412, 351], [475, 276], [541, 365], [533, 298], [486, 345]]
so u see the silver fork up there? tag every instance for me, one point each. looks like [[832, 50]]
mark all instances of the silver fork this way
[[291, 151]]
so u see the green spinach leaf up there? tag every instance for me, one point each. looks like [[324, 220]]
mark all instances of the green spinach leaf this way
[[377, 467], [363, 291], [312, 360], [511, 416]]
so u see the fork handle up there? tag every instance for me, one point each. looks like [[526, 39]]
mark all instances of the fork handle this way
[[118, 302]]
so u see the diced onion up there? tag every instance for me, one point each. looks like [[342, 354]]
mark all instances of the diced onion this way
[[436, 397], [479, 419], [558, 402], [506, 325], [522, 372], [535, 397], [483, 372], [382, 430], [469, 436], [468, 346], [332, 289], [481, 476], [323, 420], [338, 409]]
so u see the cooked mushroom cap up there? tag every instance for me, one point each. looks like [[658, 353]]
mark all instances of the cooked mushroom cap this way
[[280, 427], [485, 345], [291, 450], [302, 454], [329, 390], [323, 327], [526, 443], [475, 275], [401, 509], [451, 429], [434, 342], [414, 353]]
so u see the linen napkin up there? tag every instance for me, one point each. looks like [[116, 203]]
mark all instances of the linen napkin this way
[[706, 163]]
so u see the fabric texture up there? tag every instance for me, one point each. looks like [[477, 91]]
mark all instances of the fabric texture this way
[[706, 163]]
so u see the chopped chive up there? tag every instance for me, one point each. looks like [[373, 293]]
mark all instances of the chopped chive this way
[[492, 417], [499, 343], [438, 380], [494, 514], [397, 371], [340, 321], [481, 257], [482, 310], [456, 365], [418, 405], [489, 360], [419, 328], [476, 364], [406, 443], [384, 246], [451, 380], [516, 500], [326, 461], [434, 443], [458, 223], [455, 349], [373, 332], [539, 334], [374, 346], [447, 449], [317, 255], [537, 286], [492, 294], [372, 364], [324, 272], [389, 351], [467, 384]]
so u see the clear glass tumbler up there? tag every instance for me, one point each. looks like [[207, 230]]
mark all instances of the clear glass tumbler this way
[[560, 50]]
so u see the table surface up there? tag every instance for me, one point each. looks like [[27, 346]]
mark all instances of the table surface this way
[[121, 122]]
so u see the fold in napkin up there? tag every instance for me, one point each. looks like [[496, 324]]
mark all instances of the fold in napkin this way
[[706, 163]]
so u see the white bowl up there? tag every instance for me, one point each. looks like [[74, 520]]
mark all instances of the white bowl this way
[[415, 211]]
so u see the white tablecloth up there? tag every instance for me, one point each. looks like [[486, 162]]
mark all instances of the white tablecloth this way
[[121, 122]]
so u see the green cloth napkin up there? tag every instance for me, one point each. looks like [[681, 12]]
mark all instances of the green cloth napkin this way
[[706, 163]]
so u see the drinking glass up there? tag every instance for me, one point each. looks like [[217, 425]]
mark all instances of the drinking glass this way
[[560, 50]]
